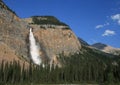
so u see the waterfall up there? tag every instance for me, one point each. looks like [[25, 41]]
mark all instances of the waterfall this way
[[34, 49]]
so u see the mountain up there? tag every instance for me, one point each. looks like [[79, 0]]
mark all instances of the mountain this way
[[52, 36], [107, 48]]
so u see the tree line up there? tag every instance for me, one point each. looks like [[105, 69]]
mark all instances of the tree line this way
[[85, 67]]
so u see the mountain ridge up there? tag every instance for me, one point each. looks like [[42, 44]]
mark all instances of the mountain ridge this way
[[107, 48]]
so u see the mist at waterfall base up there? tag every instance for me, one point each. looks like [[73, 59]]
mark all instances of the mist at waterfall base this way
[[34, 49]]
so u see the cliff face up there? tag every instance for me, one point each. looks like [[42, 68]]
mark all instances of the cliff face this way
[[57, 41], [52, 37], [12, 33]]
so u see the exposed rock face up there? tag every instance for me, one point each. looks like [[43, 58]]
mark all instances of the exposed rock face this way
[[107, 48], [58, 41], [13, 32], [55, 40], [53, 37]]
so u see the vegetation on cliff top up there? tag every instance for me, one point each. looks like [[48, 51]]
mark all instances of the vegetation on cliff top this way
[[49, 20]]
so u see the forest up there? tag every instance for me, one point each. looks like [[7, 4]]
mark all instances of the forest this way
[[89, 66]]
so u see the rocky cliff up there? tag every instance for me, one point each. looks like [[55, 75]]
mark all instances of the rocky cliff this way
[[12, 35], [52, 36]]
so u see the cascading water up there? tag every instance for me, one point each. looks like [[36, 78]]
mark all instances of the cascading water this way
[[34, 49]]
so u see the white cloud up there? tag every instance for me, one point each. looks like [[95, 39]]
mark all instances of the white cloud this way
[[101, 26], [116, 17], [108, 33]]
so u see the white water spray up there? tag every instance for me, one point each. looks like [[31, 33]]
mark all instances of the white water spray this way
[[34, 49]]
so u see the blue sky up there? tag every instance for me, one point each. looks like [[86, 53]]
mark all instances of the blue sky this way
[[92, 20]]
